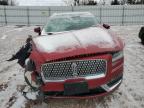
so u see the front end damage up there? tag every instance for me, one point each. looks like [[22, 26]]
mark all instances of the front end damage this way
[[81, 64], [87, 76]]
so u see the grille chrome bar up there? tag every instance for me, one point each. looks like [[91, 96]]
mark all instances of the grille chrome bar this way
[[88, 69]]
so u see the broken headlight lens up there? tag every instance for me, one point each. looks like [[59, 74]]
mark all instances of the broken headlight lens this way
[[117, 55]]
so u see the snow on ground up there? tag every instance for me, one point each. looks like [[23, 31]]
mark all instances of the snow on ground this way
[[129, 95]]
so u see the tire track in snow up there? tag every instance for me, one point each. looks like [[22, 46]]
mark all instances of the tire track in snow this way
[[7, 68], [4, 36]]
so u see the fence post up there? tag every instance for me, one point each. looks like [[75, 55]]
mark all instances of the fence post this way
[[5, 15], [49, 10], [100, 14], [28, 21], [72, 8], [143, 14], [123, 15]]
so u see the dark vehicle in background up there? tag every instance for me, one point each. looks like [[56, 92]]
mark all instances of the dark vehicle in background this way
[[141, 35]]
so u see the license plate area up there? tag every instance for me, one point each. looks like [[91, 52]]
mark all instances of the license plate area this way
[[75, 88]]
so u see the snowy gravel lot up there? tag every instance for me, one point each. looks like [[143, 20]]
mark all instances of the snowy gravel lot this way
[[129, 95]]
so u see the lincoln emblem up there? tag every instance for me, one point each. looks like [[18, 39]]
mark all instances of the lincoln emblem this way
[[74, 69]]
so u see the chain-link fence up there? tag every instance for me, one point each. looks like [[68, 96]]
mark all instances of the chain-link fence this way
[[38, 15]]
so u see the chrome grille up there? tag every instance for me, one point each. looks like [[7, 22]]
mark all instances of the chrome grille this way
[[70, 69]]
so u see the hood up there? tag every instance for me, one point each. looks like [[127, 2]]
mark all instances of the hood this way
[[72, 43]]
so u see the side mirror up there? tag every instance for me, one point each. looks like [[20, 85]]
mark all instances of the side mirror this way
[[37, 30], [106, 26]]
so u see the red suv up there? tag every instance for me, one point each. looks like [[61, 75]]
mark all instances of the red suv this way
[[76, 57]]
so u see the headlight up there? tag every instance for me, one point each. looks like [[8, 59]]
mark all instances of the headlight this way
[[117, 55]]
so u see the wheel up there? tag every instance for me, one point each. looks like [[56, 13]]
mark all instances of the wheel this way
[[142, 38], [141, 32], [142, 41], [141, 35]]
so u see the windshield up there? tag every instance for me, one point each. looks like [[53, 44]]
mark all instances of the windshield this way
[[68, 22]]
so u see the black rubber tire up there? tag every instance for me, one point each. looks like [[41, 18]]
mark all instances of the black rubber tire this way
[[142, 41], [141, 35], [141, 32]]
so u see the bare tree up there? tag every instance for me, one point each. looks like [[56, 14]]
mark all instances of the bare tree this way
[[76, 2], [115, 2], [13, 2], [140, 2], [3, 2], [8, 2], [131, 1]]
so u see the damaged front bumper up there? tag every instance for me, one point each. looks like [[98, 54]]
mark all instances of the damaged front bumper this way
[[91, 93], [82, 88]]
